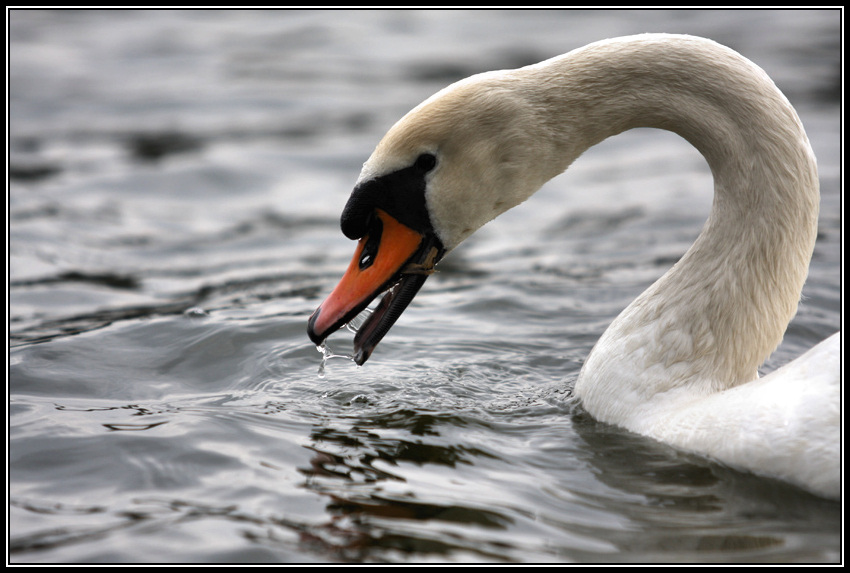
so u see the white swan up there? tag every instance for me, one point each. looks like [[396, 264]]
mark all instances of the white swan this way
[[680, 363]]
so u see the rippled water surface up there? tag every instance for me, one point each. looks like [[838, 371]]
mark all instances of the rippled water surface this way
[[176, 180]]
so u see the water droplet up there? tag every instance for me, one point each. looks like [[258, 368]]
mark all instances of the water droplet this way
[[324, 350], [327, 354]]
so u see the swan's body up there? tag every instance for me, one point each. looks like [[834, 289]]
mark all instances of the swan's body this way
[[680, 363]]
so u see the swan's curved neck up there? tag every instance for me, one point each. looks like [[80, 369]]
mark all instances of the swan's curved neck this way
[[673, 364], [724, 307]]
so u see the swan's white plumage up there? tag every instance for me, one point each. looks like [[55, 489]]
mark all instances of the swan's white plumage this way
[[680, 363]]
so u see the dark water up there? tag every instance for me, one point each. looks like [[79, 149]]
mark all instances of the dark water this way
[[175, 185]]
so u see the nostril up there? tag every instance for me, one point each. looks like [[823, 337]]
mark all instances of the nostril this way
[[373, 242]]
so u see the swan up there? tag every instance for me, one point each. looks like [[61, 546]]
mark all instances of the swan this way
[[680, 363]]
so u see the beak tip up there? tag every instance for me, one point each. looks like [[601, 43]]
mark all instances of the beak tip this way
[[316, 337], [361, 356]]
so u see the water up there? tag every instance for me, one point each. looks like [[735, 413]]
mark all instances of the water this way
[[175, 185]]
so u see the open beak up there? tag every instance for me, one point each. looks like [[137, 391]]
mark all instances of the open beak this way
[[391, 256]]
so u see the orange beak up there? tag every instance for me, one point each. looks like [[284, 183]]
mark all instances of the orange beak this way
[[390, 256]]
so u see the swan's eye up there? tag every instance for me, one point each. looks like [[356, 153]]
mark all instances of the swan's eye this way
[[426, 162]]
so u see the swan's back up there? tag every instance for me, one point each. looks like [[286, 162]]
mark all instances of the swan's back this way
[[783, 425]]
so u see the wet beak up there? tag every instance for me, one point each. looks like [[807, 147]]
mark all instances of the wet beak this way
[[391, 256]]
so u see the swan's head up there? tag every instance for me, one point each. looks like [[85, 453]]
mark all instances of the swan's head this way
[[453, 163]]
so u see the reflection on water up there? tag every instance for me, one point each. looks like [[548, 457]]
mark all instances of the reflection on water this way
[[176, 180], [350, 467]]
